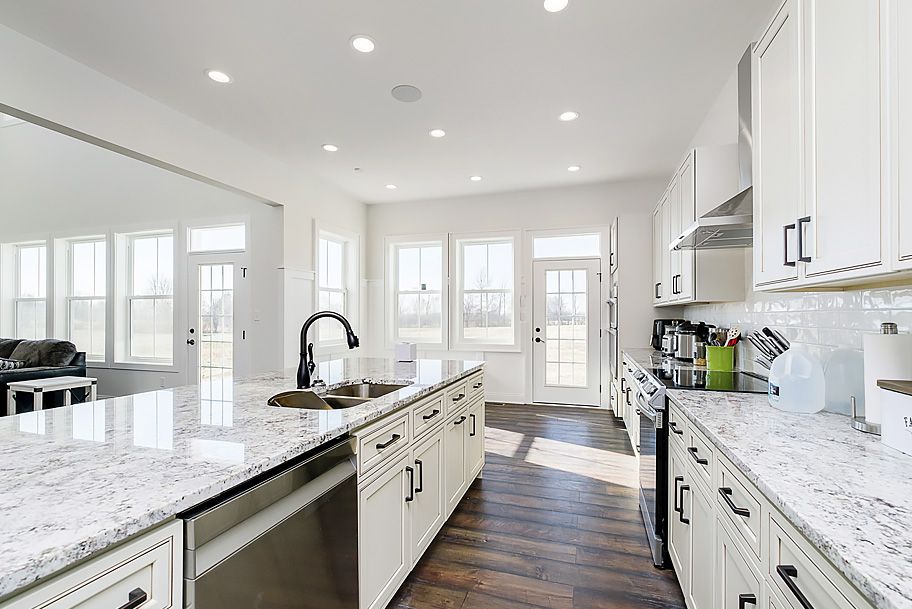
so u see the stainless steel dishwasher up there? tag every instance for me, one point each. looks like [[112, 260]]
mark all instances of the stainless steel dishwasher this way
[[287, 541]]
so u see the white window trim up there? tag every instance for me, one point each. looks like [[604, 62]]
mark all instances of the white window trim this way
[[68, 298], [17, 283], [457, 342], [392, 282], [128, 298], [351, 279]]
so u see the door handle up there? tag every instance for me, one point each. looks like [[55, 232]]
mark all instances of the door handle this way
[[657, 295], [191, 342], [538, 339], [789, 573], [411, 472], [785, 245], [420, 465], [746, 599], [135, 599], [740, 511], [801, 256]]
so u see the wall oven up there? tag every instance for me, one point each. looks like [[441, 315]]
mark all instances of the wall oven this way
[[653, 462]]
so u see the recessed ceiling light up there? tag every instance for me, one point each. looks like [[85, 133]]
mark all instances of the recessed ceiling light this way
[[218, 76], [391, 187], [568, 116], [330, 148], [437, 133], [362, 44], [574, 168], [556, 6], [475, 178]]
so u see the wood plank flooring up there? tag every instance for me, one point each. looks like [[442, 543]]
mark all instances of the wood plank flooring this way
[[554, 523]]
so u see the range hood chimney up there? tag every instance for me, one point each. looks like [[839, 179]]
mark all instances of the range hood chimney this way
[[731, 224]]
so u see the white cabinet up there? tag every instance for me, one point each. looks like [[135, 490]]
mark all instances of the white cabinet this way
[[427, 508], [738, 582], [384, 540], [455, 458], [474, 450], [687, 215], [678, 522], [613, 248], [898, 128], [661, 262], [777, 147]]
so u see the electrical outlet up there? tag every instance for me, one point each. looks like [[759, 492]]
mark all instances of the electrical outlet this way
[[161, 382]]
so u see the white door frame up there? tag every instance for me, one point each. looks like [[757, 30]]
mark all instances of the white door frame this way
[[542, 392], [241, 311]]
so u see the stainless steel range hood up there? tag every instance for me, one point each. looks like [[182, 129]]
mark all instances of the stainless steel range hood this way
[[731, 224]]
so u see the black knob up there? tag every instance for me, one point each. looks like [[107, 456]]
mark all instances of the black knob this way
[[190, 341], [538, 329], [538, 340]]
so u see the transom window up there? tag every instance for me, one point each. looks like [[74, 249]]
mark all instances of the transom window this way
[[30, 304], [567, 246], [85, 298], [417, 277], [150, 300], [228, 238]]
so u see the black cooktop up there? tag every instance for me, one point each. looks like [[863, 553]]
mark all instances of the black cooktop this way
[[710, 380]]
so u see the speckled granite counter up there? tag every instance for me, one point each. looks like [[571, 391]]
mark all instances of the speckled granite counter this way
[[76, 480], [844, 490]]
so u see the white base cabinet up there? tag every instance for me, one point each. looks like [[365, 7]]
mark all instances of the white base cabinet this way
[[415, 482]]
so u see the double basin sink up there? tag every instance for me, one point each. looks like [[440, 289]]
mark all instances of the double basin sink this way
[[334, 399]]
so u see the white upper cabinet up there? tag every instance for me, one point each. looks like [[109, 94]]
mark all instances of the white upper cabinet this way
[[660, 261], [898, 127], [777, 148], [687, 215], [843, 221]]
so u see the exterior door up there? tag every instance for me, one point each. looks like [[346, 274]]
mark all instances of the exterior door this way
[[565, 332], [217, 335]]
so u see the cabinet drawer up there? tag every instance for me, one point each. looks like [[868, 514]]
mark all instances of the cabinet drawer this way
[[456, 396], [741, 507], [701, 456], [795, 574], [148, 567], [378, 444], [475, 385], [677, 427], [427, 415]]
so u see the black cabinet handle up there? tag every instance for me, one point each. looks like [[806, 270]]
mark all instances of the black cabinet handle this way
[[477, 385], [459, 397], [460, 421], [740, 511], [745, 600], [684, 487], [537, 339], [674, 428], [191, 342], [789, 573], [657, 295], [677, 508], [693, 453], [411, 472], [801, 256], [135, 599], [472, 433], [420, 465], [433, 414], [396, 437], [785, 245], [674, 284]]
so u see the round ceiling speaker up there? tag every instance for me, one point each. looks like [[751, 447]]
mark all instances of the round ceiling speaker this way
[[406, 93]]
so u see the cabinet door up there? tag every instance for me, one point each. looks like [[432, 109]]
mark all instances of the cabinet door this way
[[687, 205], [613, 247], [737, 583], [678, 520], [898, 127], [777, 148], [427, 508], [454, 447], [702, 549], [673, 229], [383, 538], [475, 430], [658, 256], [845, 209]]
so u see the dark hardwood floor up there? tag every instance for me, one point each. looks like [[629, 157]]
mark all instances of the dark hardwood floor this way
[[554, 523]]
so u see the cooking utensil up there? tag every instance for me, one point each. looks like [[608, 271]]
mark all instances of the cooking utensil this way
[[782, 340], [764, 362], [734, 335], [781, 343], [762, 348], [770, 344]]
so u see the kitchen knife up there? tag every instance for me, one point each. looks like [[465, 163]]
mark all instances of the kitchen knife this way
[[783, 346]]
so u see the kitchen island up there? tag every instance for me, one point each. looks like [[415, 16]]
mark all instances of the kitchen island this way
[[81, 479]]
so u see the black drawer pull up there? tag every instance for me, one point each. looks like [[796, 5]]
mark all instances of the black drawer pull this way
[[411, 473], [677, 508], [789, 573], [135, 599], [740, 511], [433, 414], [420, 465], [674, 428], [396, 437], [746, 599], [693, 453], [460, 421], [684, 487], [458, 397], [477, 385], [472, 433]]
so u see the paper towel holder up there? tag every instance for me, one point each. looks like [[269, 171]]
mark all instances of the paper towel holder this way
[[860, 424]]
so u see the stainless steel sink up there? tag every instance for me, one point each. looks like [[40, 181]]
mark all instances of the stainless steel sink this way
[[364, 390], [309, 400]]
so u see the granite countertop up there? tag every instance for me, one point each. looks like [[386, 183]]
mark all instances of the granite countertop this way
[[844, 490], [78, 479]]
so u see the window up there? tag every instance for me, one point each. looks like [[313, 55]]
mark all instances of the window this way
[[331, 276], [150, 299], [85, 296], [30, 305], [416, 276], [227, 238], [567, 246], [485, 300]]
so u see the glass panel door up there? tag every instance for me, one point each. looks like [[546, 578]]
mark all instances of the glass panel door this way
[[215, 326]]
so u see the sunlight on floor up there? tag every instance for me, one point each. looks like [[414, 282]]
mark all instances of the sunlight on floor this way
[[502, 442]]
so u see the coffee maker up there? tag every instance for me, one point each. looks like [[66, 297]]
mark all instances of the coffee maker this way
[[659, 329]]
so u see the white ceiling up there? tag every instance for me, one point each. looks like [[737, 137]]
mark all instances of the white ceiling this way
[[495, 75]]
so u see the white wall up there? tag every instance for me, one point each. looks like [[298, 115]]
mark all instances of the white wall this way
[[59, 90], [574, 207], [52, 186]]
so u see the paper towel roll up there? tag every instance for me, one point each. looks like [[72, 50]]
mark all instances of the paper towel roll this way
[[886, 357]]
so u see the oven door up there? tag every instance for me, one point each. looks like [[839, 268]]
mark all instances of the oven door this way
[[653, 465]]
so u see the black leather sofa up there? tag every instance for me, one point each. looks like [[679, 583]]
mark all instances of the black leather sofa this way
[[44, 359]]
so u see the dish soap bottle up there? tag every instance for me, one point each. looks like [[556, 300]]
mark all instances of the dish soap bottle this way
[[797, 383]]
